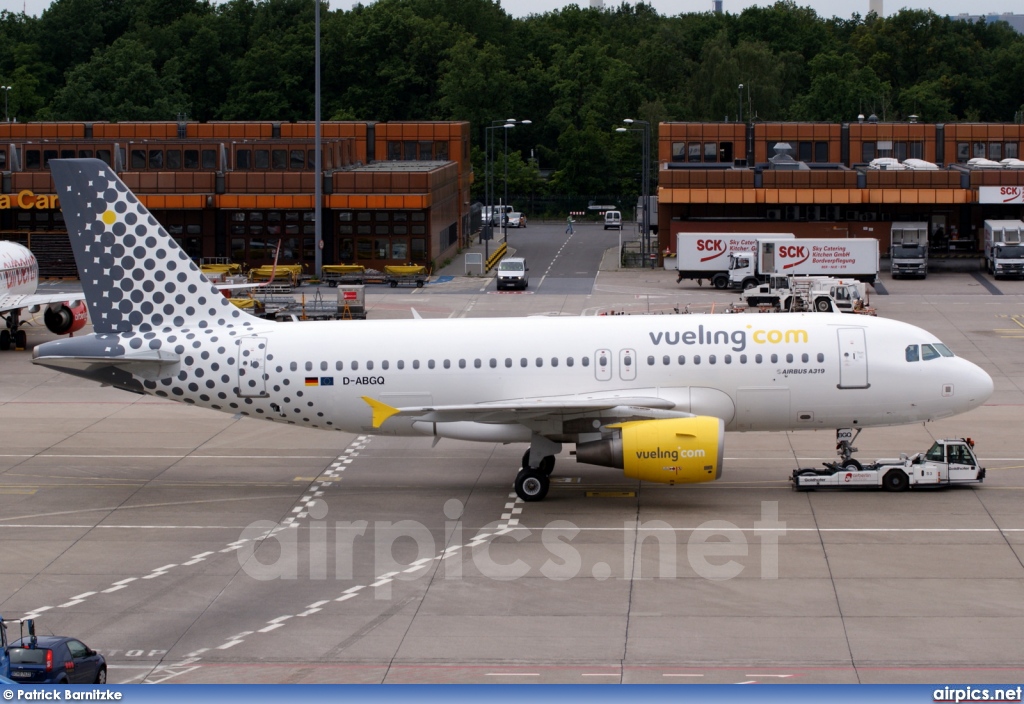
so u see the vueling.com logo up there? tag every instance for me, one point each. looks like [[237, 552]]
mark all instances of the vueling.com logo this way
[[673, 455]]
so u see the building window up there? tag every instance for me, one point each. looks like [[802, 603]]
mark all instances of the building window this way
[[156, 158], [243, 159], [441, 151], [915, 150], [298, 159], [410, 151], [711, 151], [191, 158], [805, 151], [995, 151], [963, 152], [1011, 150], [279, 159], [867, 152], [694, 152], [394, 151], [678, 151], [261, 159], [138, 158], [173, 158], [978, 150], [821, 152]]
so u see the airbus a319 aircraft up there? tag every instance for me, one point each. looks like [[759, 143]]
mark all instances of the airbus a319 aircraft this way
[[19, 277], [651, 395]]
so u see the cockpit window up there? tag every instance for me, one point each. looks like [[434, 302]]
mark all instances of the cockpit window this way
[[928, 352], [913, 355], [943, 350]]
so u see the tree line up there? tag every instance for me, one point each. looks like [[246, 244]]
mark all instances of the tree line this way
[[575, 72]]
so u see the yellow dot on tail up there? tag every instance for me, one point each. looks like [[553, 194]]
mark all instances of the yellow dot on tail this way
[[109, 217]]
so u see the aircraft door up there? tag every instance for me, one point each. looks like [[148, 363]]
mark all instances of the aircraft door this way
[[603, 365], [853, 359], [627, 365], [252, 381]]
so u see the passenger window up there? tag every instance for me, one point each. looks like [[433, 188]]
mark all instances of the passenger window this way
[[775, 359], [430, 364], [338, 366], [585, 361], [821, 357], [758, 358], [805, 358], [401, 364], [743, 359], [369, 365], [415, 364], [728, 359], [462, 364], [508, 363], [355, 366], [554, 362], [384, 364], [309, 366], [912, 354], [447, 364], [712, 359], [650, 360], [477, 363], [523, 362], [494, 363], [323, 366], [666, 360], [928, 353], [294, 367], [540, 362], [789, 359], [568, 361], [603, 361], [696, 359]]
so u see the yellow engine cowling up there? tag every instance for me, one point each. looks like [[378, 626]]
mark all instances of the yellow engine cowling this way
[[669, 451]]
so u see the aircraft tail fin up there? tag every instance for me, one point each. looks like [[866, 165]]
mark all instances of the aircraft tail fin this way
[[135, 276]]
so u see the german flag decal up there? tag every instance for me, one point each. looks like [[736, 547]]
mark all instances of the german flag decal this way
[[312, 381], [319, 381]]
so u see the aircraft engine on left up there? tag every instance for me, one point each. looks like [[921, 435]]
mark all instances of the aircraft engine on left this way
[[669, 451], [66, 318]]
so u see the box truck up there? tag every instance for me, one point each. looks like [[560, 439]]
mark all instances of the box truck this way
[[705, 255], [1004, 250], [908, 249], [840, 257]]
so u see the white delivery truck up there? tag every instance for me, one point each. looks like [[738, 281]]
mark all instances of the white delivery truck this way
[[838, 257], [908, 249], [947, 462], [1004, 250], [705, 255]]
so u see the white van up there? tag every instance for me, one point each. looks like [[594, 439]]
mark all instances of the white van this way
[[512, 273], [613, 220]]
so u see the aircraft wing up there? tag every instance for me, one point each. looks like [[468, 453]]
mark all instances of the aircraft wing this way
[[519, 410], [19, 301]]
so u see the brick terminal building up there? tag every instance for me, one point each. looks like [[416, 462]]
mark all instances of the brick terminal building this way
[[394, 193]]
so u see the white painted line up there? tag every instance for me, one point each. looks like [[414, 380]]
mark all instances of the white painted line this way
[[599, 674], [353, 590], [308, 612], [318, 604], [513, 674], [117, 588], [679, 674], [84, 595], [346, 597], [130, 579], [270, 628], [382, 582]]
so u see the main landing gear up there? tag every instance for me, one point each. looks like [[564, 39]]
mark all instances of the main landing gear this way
[[532, 483], [13, 333]]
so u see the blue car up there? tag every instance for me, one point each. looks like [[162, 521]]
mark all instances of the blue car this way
[[57, 660]]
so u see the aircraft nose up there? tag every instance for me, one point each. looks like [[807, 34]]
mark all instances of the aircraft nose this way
[[978, 385]]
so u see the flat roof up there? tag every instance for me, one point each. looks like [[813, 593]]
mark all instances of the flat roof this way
[[401, 166]]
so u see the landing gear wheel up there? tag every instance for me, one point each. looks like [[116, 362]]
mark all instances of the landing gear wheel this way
[[5, 340], [20, 340], [896, 480], [852, 465], [532, 485]]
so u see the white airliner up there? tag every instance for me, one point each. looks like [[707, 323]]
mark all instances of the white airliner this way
[[652, 395], [19, 277]]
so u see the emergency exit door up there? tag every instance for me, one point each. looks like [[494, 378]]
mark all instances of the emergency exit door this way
[[853, 359], [252, 380]]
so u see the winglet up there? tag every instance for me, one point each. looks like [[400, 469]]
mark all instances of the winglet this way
[[381, 411]]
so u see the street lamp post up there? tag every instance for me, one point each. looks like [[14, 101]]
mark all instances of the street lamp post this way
[[645, 184], [6, 90], [740, 113], [488, 176]]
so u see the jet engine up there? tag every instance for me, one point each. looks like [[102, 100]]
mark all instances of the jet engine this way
[[67, 318], [669, 451]]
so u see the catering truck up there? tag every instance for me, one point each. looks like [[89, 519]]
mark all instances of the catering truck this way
[[908, 249], [845, 258], [705, 255], [1004, 250], [947, 462]]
